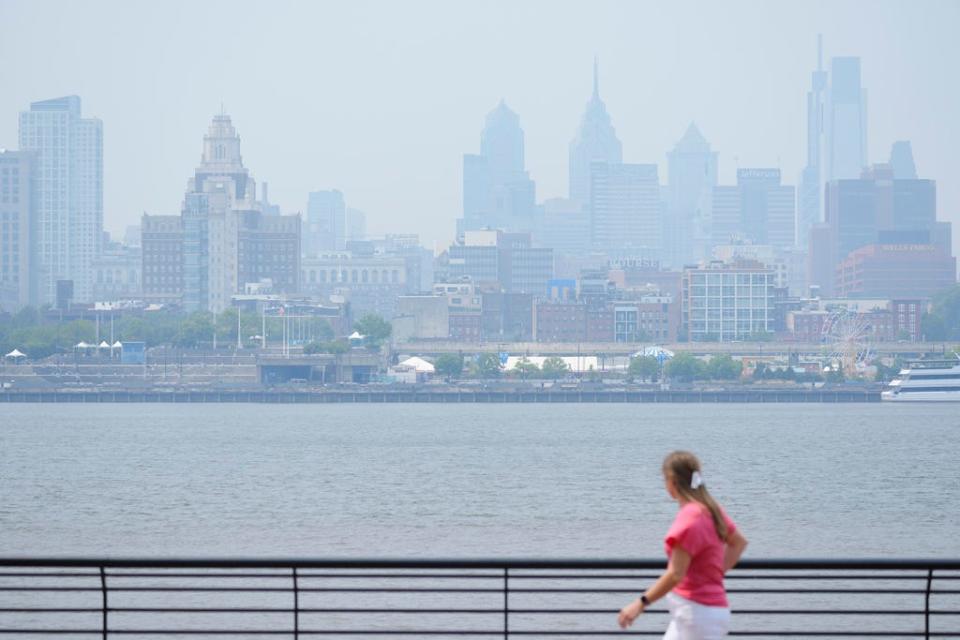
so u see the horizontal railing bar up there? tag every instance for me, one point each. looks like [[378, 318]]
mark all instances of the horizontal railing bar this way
[[451, 590], [402, 576], [444, 632], [885, 564]]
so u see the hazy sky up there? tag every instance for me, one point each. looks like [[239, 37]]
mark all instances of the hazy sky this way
[[381, 99]]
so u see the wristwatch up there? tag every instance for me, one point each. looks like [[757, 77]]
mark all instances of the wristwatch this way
[[645, 600]]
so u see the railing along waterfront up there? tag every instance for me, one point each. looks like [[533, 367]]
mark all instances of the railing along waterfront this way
[[294, 598]]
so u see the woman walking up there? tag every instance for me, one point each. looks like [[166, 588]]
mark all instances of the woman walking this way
[[702, 545]]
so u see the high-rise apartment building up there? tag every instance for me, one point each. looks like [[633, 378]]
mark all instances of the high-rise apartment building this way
[[17, 231], [758, 209], [625, 208], [69, 195], [497, 191], [596, 141], [692, 168]]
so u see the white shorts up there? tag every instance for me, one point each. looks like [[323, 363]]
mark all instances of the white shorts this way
[[694, 621]]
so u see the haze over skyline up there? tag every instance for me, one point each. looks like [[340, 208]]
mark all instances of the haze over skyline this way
[[381, 100]]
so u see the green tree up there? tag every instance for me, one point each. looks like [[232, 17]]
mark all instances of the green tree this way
[[942, 322], [488, 366], [723, 367], [685, 368], [449, 365], [374, 330], [196, 328], [526, 369], [555, 367], [644, 368]]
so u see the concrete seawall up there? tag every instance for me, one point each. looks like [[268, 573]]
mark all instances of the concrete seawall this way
[[371, 395]]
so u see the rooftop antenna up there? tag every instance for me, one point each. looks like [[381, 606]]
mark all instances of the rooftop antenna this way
[[819, 52], [596, 77]]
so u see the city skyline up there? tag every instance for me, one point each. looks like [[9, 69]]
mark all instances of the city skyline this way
[[402, 164]]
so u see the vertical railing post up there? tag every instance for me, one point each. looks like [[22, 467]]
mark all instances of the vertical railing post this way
[[103, 594], [926, 605], [506, 603], [296, 606]]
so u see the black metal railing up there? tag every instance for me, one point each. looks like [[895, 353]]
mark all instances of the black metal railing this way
[[293, 598]]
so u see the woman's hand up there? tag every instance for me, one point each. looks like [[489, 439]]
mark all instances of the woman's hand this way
[[630, 613]]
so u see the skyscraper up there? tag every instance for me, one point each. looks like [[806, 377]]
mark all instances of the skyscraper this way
[[692, 170], [596, 140], [811, 180], [326, 222], [222, 240], [497, 191], [845, 124], [69, 197], [901, 161], [625, 208], [17, 241], [758, 209]]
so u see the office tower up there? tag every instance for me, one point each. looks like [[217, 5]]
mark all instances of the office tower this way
[[498, 261], [596, 140], [625, 208], [759, 209], [811, 182], [901, 161], [692, 175], [222, 240], [17, 231], [326, 222], [497, 191], [845, 122], [356, 224], [565, 226], [723, 302], [69, 197], [877, 210]]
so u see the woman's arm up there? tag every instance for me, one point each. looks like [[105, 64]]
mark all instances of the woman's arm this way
[[736, 543], [676, 570]]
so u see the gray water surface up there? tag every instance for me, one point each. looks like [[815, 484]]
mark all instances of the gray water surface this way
[[471, 480]]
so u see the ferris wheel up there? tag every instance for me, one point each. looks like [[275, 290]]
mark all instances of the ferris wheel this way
[[847, 337]]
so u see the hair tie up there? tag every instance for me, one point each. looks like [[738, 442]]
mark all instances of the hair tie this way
[[696, 480]]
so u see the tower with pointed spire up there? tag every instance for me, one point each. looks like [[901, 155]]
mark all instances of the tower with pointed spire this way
[[809, 195], [692, 175], [596, 140], [497, 190]]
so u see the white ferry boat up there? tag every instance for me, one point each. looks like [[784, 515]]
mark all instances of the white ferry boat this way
[[926, 381]]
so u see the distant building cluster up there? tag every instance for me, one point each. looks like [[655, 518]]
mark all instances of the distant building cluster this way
[[625, 256]]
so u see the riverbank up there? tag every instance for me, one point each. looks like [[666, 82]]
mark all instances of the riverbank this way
[[369, 395]]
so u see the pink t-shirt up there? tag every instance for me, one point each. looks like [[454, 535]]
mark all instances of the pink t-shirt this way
[[694, 532]]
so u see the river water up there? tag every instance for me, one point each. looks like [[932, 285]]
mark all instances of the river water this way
[[471, 480]]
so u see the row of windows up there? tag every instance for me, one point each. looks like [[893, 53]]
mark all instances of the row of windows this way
[[355, 275]]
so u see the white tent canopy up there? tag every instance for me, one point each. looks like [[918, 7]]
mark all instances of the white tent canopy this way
[[104, 344], [355, 336], [655, 352], [82, 345], [117, 345], [16, 353], [417, 364]]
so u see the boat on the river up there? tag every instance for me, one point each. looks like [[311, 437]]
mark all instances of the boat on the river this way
[[926, 381]]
